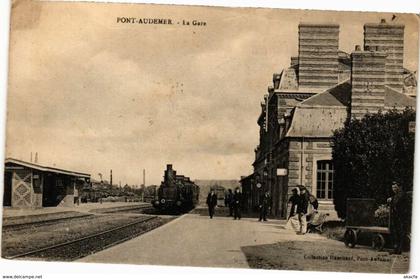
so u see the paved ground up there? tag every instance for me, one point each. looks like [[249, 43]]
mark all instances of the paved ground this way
[[196, 240]]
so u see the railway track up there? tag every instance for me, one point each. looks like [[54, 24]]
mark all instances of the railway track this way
[[78, 248], [39, 223], [44, 222], [122, 209]]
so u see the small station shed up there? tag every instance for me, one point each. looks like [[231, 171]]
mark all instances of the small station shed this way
[[29, 185]]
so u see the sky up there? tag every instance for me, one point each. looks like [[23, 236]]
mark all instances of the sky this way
[[90, 94]]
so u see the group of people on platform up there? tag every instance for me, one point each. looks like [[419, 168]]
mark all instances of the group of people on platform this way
[[233, 201], [303, 208]]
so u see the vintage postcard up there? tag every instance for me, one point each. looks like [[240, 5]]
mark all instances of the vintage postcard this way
[[210, 136]]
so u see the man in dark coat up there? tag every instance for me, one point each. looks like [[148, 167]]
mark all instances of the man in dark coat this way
[[265, 205], [237, 201], [399, 213], [302, 208], [211, 202], [293, 200], [229, 201]]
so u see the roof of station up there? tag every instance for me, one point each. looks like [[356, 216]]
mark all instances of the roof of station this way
[[45, 168]]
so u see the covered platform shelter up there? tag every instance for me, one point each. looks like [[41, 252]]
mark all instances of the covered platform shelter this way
[[29, 185]]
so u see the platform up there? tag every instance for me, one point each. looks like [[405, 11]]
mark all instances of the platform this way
[[194, 240]]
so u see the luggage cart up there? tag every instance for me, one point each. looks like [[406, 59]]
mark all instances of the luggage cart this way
[[316, 221], [361, 218]]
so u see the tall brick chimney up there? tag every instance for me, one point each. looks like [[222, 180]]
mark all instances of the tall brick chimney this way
[[390, 38], [318, 56], [367, 81]]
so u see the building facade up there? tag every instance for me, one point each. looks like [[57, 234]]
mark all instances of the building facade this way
[[315, 95]]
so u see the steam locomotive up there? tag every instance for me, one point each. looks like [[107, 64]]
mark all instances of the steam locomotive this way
[[177, 193]]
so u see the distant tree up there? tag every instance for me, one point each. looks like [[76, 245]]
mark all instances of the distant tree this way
[[368, 154]]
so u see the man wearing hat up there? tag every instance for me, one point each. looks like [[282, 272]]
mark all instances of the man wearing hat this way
[[237, 203], [302, 208], [399, 213], [211, 202], [265, 205]]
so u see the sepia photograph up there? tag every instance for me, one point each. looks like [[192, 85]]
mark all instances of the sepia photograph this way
[[204, 136]]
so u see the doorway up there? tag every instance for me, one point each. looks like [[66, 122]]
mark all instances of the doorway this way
[[7, 194], [49, 194]]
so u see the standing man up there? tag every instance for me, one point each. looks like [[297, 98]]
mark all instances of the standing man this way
[[211, 202], [229, 201], [265, 205], [302, 209], [399, 213], [293, 200], [237, 201]]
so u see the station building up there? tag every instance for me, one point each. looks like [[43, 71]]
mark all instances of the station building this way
[[29, 185], [315, 95]]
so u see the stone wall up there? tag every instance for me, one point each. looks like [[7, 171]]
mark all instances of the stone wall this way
[[302, 167]]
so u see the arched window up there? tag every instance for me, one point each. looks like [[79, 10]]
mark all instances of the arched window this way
[[324, 180]]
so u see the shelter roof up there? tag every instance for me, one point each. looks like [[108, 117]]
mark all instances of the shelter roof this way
[[45, 168]]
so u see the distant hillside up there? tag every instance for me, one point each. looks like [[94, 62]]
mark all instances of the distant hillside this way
[[205, 186]]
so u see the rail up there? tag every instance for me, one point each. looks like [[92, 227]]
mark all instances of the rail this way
[[97, 236]]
